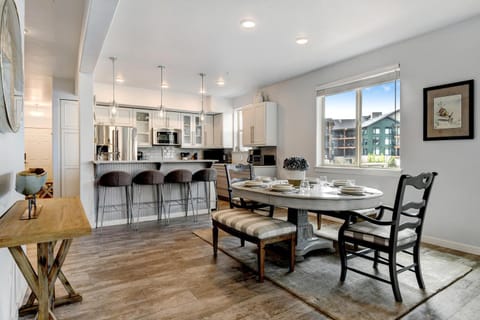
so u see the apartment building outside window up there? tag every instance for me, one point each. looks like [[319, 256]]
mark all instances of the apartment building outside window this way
[[359, 121]]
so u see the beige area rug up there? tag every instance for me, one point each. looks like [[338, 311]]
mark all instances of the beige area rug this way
[[316, 280]]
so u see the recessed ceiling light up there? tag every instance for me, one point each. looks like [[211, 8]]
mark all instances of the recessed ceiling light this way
[[247, 23], [301, 40], [165, 85], [220, 82], [26, 31], [120, 80]]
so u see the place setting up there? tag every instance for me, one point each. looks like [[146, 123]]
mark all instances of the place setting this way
[[283, 187], [254, 184]]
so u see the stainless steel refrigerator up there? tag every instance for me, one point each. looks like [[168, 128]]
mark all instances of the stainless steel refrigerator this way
[[115, 143]]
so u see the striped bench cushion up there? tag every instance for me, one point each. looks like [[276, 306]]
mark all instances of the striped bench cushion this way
[[378, 234], [253, 224]]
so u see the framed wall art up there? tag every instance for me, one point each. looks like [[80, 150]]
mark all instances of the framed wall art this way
[[448, 111]]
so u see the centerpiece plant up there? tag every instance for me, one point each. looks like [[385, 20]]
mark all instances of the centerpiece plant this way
[[295, 169]]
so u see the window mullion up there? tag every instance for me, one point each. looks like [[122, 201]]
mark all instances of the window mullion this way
[[358, 125]]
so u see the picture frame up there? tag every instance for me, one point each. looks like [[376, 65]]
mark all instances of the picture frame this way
[[448, 111]]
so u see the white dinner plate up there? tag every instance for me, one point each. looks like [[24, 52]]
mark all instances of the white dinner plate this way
[[352, 188], [355, 190], [251, 183], [339, 183], [282, 187]]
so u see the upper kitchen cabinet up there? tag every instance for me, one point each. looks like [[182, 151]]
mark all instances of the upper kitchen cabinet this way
[[169, 120], [259, 124], [192, 131], [144, 128], [208, 132], [122, 118], [217, 131]]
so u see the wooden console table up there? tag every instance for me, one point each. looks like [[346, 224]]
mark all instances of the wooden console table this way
[[61, 219]]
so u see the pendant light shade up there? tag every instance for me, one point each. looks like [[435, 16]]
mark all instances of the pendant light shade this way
[[202, 92], [113, 110], [163, 85]]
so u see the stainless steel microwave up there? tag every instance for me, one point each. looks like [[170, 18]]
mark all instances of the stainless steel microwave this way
[[166, 137]]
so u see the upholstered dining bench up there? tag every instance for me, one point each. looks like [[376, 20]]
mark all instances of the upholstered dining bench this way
[[255, 228]]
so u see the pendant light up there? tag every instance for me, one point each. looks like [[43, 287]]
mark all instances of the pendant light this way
[[202, 92], [163, 85], [113, 110]]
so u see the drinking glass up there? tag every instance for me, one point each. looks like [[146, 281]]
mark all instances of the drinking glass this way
[[322, 180], [304, 186]]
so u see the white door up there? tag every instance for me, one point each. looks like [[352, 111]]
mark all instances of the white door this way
[[38, 149], [70, 148]]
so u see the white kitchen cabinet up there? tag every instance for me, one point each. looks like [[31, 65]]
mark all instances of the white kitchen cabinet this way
[[209, 132], [170, 120], [259, 124], [102, 115], [144, 128], [122, 118], [222, 131], [192, 131]]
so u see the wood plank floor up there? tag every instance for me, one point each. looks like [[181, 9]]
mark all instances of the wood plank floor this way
[[166, 272]]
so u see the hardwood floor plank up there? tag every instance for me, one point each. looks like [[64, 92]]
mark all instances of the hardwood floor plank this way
[[166, 272]]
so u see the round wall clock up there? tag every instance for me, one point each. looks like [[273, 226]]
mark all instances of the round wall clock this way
[[11, 68]]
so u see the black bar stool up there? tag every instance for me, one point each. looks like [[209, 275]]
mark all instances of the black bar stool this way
[[149, 178], [183, 178], [207, 176], [114, 179]]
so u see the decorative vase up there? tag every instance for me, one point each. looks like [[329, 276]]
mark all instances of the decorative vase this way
[[295, 176]]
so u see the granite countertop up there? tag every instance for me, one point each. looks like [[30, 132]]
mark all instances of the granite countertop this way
[[151, 161]]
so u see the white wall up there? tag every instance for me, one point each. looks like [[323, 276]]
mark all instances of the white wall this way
[[13, 285], [87, 179], [441, 57]]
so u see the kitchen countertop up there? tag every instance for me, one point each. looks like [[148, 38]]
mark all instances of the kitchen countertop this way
[[151, 161]]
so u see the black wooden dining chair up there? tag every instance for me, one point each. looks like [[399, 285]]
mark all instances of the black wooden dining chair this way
[[242, 172], [397, 233]]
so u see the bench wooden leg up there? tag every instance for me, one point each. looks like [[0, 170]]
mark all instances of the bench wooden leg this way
[[261, 261], [292, 254], [215, 240]]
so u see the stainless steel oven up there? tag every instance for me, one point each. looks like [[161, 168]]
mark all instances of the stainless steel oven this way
[[166, 137]]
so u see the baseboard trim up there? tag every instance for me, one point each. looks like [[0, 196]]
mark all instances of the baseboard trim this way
[[452, 245]]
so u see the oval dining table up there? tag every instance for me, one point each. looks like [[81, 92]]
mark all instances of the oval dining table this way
[[329, 199]]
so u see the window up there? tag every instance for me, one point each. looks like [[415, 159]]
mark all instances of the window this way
[[357, 119]]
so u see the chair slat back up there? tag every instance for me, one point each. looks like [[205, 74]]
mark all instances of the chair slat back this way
[[238, 172], [422, 182], [413, 205]]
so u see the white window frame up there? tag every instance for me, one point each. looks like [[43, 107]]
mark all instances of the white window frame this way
[[383, 75]]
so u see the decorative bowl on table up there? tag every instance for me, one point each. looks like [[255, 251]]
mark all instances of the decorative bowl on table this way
[[29, 183]]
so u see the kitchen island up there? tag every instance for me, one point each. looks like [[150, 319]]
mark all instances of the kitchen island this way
[[145, 209]]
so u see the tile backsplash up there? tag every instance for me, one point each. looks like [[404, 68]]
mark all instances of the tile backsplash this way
[[167, 153]]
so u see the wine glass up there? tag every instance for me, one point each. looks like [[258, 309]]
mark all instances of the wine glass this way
[[304, 186]]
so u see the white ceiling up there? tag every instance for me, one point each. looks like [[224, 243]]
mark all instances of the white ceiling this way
[[51, 45], [190, 37]]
